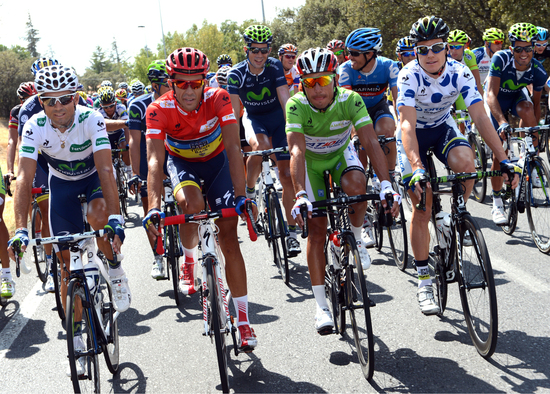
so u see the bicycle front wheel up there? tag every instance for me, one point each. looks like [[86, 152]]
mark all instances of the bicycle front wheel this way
[[358, 305], [397, 236], [111, 349], [435, 266], [81, 350], [173, 259], [538, 205], [480, 160], [57, 286], [477, 289], [39, 252], [332, 290], [217, 320], [122, 190], [278, 235]]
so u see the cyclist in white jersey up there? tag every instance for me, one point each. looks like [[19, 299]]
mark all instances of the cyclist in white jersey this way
[[493, 40], [427, 89]]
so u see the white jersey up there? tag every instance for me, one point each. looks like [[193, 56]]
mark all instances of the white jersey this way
[[484, 62], [120, 114], [70, 155], [433, 97]]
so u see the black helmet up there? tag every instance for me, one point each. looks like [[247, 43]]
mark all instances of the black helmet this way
[[429, 28]]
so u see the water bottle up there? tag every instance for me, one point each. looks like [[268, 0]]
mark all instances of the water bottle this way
[[443, 224], [375, 184], [334, 244], [91, 271]]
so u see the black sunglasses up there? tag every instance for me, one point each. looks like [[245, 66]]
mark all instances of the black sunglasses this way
[[255, 51]]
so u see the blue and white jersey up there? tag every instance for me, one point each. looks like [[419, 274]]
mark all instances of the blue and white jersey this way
[[120, 114], [137, 110], [433, 97], [511, 80], [70, 155], [483, 62], [258, 93], [371, 86]]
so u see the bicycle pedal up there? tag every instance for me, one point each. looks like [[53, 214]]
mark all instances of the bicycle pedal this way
[[326, 331], [371, 303]]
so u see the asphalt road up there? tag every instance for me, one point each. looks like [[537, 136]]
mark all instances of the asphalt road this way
[[162, 349]]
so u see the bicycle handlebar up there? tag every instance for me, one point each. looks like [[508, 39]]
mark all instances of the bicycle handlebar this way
[[40, 190], [266, 152]]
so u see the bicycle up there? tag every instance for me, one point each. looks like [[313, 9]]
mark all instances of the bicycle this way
[[345, 283], [397, 231], [270, 218], [530, 196], [214, 297], [89, 294], [478, 147], [121, 180], [39, 252], [450, 260]]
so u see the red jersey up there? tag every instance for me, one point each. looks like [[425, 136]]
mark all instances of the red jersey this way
[[193, 136]]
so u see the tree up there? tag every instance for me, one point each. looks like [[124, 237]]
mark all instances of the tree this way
[[99, 62], [32, 38], [15, 70]]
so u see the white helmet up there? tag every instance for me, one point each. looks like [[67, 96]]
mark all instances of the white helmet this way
[[106, 83], [55, 79], [137, 87]]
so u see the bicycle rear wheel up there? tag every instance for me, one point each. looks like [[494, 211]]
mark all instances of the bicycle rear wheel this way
[[480, 161], [511, 212], [332, 289], [217, 320], [57, 285], [397, 236], [122, 190], [278, 235], [538, 205], [172, 257], [111, 349], [89, 381], [357, 304], [39, 252], [477, 289]]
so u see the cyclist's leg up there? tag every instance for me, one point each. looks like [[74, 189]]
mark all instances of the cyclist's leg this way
[[122, 144], [41, 180], [384, 124], [258, 138], [9, 287]]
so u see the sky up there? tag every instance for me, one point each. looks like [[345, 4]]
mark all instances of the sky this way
[[73, 29]]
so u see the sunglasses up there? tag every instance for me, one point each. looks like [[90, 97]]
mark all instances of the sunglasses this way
[[355, 53], [290, 56], [541, 45], [108, 106], [456, 46], [52, 101], [497, 42], [322, 81], [526, 49], [406, 54], [435, 48], [255, 51], [183, 85], [338, 53], [226, 64]]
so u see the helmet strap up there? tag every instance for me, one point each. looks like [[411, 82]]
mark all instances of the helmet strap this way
[[368, 61]]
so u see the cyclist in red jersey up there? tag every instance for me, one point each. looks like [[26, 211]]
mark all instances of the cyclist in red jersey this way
[[198, 128]]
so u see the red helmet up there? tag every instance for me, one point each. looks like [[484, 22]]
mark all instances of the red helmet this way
[[187, 61], [26, 90], [335, 45]]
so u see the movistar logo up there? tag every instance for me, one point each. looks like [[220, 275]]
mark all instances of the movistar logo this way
[[496, 68], [83, 116], [258, 97], [41, 122], [134, 114], [232, 81], [96, 190], [80, 148], [102, 141], [512, 86], [76, 167]]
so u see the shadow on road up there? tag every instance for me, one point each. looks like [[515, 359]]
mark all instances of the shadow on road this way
[[129, 379]]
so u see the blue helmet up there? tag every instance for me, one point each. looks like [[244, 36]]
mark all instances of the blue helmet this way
[[365, 39], [404, 45], [543, 33], [210, 75]]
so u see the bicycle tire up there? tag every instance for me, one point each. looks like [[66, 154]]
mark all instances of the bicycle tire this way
[[332, 280], [358, 307], [40, 259], [278, 236], [511, 213], [122, 190], [372, 215], [90, 381], [477, 289], [538, 206], [217, 321], [111, 349], [435, 266], [57, 286], [173, 260], [480, 160], [397, 237], [378, 228]]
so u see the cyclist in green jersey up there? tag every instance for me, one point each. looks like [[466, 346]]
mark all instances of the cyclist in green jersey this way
[[319, 121]]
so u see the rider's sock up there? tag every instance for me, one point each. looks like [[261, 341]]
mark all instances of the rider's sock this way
[[191, 257], [251, 192], [6, 273], [241, 306], [356, 231], [423, 273], [77, 328], [320, 297], [276, 173], [497, 198], [292, 231], [49, 260]]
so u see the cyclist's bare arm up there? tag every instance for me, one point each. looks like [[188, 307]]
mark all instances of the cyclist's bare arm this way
[[369, 141], [155, 160], [283, 95], [236, 104], [493, 86], [536, 103], [394, 94], [297, 149], [135, 142], [12, 148], [232, 144], [113, 125], [477, 77]]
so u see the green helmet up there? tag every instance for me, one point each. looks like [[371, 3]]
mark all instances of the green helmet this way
[[157, 71], [493, 34], [258, 34], [458, 36], [523, 32]]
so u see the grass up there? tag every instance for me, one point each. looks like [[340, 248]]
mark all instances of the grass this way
[[8, 208]]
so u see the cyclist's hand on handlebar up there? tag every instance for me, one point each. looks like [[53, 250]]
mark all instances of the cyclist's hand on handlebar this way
[[301, 199], [240, 203], [419, 175], [152, 219], [114, 226], [134, 184], [386, 189], [510, 172], [21, 237], [503, 129]]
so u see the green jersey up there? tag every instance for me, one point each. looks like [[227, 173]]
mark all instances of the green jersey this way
[[327, 133]]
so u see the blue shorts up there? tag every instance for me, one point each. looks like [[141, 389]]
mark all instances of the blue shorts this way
[[378, 111], [272, 124], [65, 208], [117, 138], [509, 103], [215, 174]]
